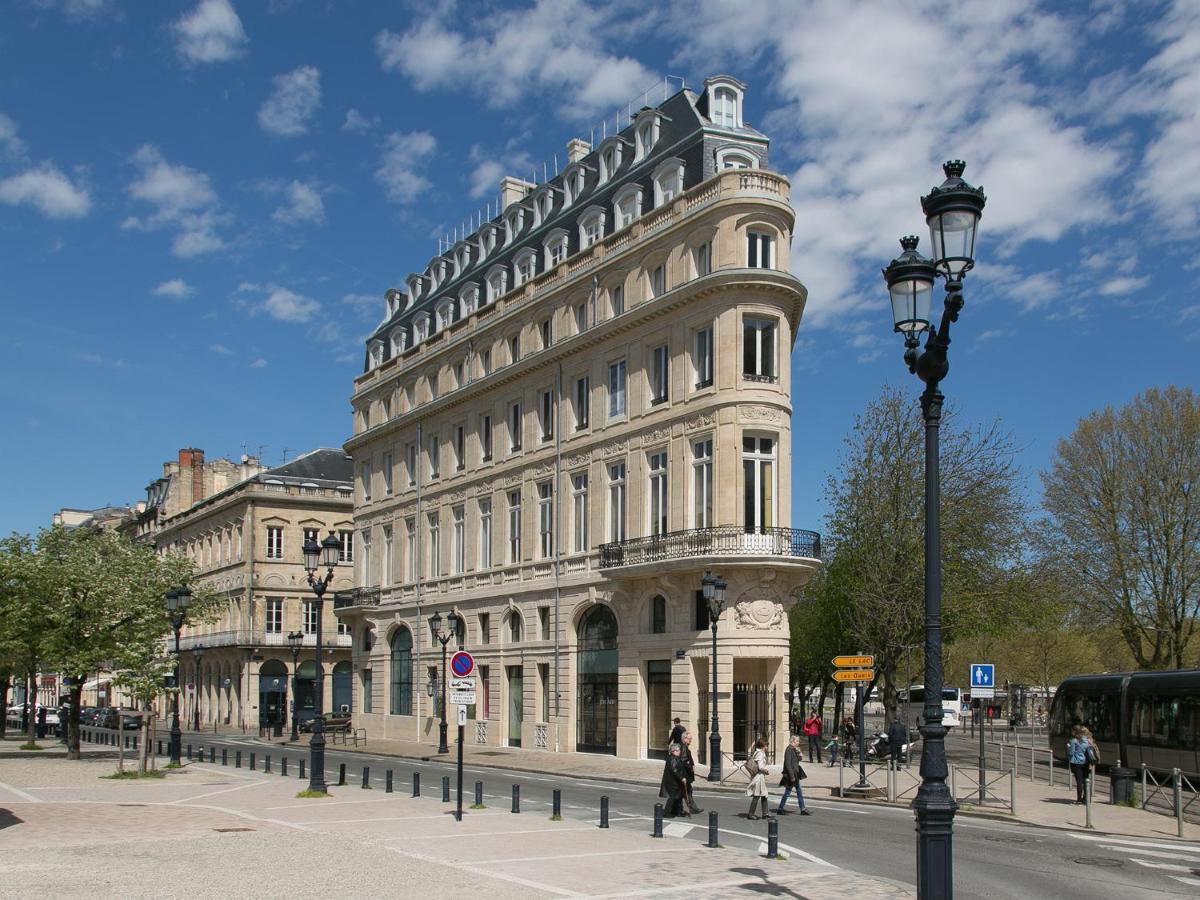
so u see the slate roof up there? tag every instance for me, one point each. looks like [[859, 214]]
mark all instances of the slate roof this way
[[316, 466]]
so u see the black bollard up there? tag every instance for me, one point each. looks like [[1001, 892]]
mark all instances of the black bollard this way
[[251, 762], [712, 830], [212, 754], [283, 765], [445, 788], [416, 784], [366, 779], [556, 809], [301, 769], [516, 803], [658, 814], [266, 762], [387, 788], [604, 812], [341, 774], [479, 795], [237, 759], [189, 751], [224, 756], [773, 839]]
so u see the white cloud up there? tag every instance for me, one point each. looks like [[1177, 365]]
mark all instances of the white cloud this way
[[176, 289], [220, 350], [357, 123], [180, 198], [212, 32], [279, 303], [1122, 285], [303, 205], [296, 97], [10, 145], [399, 164], [555, 48], [259, 363], [82, 10], [365, 306], [49, 191]]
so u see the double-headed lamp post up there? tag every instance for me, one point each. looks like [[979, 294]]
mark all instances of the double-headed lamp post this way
[[952, 211], [315, 556], [713, 589], [178, 600], [295, 641], [197, 655], [435, 625]]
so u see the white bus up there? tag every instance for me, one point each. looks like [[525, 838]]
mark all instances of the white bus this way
[[912, 706]]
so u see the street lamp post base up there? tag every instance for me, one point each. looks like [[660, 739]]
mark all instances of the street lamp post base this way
[[316, 759], [935, 859], [714, 757]]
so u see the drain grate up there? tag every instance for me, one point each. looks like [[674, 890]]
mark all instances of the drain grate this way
[[227, 830], [1102, 862]]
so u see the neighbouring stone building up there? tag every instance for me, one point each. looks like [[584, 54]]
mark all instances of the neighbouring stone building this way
[[563, 422]]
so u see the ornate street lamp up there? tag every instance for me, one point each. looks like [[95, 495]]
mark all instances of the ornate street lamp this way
[[435, 626], [315, 556], [197, 655], [713, 589], [952, 211], [295, 641], [178, 600]]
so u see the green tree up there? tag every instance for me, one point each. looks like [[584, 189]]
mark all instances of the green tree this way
[[1123, 503], [817, 635], [25, 623], [875, 532]]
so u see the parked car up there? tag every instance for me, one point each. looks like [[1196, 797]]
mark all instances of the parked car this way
[[131, 722], [106, 717], [334, 721]]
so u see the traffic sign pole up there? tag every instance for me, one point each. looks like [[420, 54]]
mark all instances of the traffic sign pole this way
[[462, 710]]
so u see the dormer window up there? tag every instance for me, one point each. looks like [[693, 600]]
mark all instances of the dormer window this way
[[556, 248], [497, 283], [399, 341], [375, 351], [724, 95], [469, 298], [439, 273], [487, 240], [591, 226], [421, 327], [627, 205], [734, 158], [445, 314], [414, 290], [646, 134], [543, 206], [392, 300], [513, 223], [610, 159], [668, 181], [524, 266], [573, 181]]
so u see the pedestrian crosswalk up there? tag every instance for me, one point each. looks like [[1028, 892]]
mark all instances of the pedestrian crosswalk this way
[[1176, 860]]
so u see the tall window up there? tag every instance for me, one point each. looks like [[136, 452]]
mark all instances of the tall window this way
[[366, 691], [583, 391], [310, 617], [724, 108], [616, 389], [514, 348], [702, 356], [410, 548], [659, 374], [758, 467], [402, 644], [346, 551], [616, 502], [546, 415], [760, 253], [435, 456], [388, 575], [702, 483], [410, 463], [658, 493], [515, 628], [514, 427], [546, 331], [460, 447], [458, 515], [365, 558], [658, 615], [702, 257], [616, 298], [579, 509], [365, 477], [658, 280], [387, 473], [485, 536], [581, 317], [274, 542], [485, 437], [758, 349], [274, 615], [514, 526], [546, 519], [435, 545], [485, 628], [312, 534]]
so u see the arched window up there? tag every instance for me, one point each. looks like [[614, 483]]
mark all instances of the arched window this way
[[462, 258], [543, 205], [591, 227], [597, 682], [573, 181], [399, 339], [445, 314], [421, 327], [524, 266], [668, 181], [402, 645], [733, 158], [627, 205], [513, 223], [646, 135], [724, 107], [555, 246], [414, 289], [658, 615], [392, 299], [610, 159], [468, 296], [376, 351], [497, 283], [437, 274], [487, 239], [516, 628]]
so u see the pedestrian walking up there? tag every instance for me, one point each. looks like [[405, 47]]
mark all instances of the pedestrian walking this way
[[1080, 752], [676, 733], [756, 768], [689, 767], [793, 774], [812, 730], [674, 782], [897, 735]]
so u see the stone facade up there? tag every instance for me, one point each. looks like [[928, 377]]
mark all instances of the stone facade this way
[[559, 464]]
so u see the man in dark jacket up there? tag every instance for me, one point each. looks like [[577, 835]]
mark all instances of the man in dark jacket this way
[[897, 735], [690, 774], [676, 732], [793, 774], [675, 782]]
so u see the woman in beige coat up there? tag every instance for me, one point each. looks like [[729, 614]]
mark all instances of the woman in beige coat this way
[[757, 789]]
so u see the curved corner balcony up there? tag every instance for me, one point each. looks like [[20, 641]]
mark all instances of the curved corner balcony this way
[[732, 545], [355, 598]]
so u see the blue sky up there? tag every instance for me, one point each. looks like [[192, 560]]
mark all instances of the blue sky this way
[[202, 203]]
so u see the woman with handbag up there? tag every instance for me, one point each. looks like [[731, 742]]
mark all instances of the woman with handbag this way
[[1078, 749], [793, 774], [756, 768]]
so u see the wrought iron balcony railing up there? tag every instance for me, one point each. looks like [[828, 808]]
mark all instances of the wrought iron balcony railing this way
[[724, 540], [355, 597]]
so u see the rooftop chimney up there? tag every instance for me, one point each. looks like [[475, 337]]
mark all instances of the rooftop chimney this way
[[577, 149], [513, 190]]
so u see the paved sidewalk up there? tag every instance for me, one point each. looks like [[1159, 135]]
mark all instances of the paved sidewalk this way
[[209, 831], [1036, 803]]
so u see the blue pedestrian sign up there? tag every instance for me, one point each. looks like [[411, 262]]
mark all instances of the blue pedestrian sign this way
[[983, 680]]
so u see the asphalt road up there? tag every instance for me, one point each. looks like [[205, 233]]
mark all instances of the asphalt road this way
[[992, 860]]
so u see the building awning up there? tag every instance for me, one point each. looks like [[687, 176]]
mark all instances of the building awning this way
[[107, 679]]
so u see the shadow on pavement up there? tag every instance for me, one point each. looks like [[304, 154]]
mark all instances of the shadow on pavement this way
[[7, 819]]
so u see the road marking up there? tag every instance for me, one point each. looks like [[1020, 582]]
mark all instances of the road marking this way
[[782, 846], [1170, 867], [1161, 845], [677, 829], [1195, 882], [20, 793], [1157, 854], [238, 787]]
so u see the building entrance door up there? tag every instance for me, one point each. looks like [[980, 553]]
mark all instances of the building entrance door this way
[[341, 687], [272, 695], [658, 707], [596, 703], [516, 706]]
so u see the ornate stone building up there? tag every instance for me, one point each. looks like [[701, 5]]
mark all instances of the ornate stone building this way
[[563, 422]]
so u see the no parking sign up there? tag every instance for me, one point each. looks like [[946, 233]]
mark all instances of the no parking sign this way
[[462, 664]]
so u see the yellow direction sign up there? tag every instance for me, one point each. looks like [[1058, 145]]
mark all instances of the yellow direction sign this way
[[854, 675], [854, 662]]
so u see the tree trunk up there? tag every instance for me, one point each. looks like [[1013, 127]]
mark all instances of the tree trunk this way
[[4, 676], [73, 719], [890, 697], [30, 712], [120, 741]]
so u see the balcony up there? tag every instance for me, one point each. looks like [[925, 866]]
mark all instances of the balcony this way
[[788, 547], [355, 598]]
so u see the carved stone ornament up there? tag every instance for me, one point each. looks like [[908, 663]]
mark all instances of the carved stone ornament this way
[[581, 459], [614, 448], [702, 421], [513, 479], [656, 436], [759, 413], [759, 615]]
